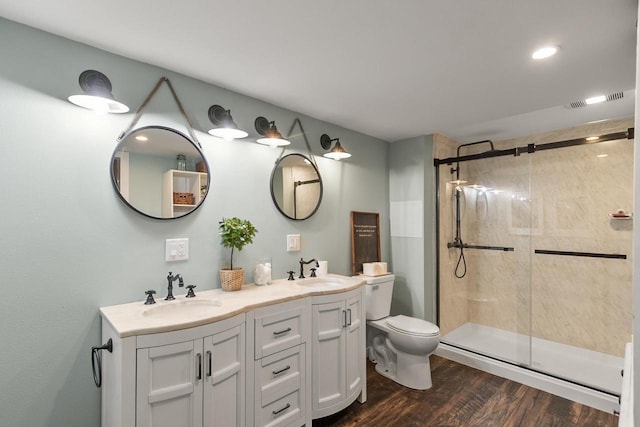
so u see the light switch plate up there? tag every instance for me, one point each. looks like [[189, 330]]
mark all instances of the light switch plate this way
[[293, 242], [176, 249]]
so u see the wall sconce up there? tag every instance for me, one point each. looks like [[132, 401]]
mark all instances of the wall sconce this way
[[337, 152], [97, 94], [226, 128], [270, 132]]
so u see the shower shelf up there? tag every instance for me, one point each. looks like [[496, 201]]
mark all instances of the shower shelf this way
[[617, 216]]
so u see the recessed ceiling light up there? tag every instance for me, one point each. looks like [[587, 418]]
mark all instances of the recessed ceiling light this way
[[602, 155], [544, 52], [595, 99], [593, 138]]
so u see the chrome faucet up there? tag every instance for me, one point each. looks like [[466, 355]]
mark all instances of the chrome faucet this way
[[302, 263], [171, 278]]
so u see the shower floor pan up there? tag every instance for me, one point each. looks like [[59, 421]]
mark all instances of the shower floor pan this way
[[576, 365]]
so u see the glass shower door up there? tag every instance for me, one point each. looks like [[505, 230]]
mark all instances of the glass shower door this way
[[581, 263]]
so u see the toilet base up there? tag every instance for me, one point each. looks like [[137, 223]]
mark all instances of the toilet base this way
[[414, 372]]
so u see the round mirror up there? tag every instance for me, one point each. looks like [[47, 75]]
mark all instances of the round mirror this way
[[296, 186], [160, 172]]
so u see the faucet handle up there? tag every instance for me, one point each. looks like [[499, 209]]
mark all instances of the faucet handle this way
[[149, 295], [190, 293], [291, 273], [313, 272]]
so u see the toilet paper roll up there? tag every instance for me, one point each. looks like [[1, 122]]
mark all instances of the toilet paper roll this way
[[323, 268]]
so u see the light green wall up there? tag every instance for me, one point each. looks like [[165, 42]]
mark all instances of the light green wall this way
[[69, 244], [411, 182]]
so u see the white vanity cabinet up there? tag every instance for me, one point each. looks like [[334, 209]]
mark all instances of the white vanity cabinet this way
[[265, 356], [281, 361], [338, 347], [192, 377]]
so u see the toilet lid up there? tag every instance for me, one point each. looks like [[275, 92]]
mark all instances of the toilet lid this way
[[413, 326]]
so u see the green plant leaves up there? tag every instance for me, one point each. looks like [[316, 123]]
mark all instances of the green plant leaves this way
[[235, 233]]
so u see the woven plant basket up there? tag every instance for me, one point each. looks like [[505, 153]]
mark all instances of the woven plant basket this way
[[232, 280]]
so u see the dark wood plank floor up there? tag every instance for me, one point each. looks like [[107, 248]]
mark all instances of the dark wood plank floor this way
[[463, 396]]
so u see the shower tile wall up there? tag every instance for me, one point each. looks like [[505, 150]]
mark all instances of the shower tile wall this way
[[556, 200]]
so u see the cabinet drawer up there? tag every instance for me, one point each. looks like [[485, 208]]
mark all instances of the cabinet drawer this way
[[281, 412], [278, 331], [280, 373]]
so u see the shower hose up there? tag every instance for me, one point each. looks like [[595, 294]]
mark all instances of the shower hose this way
[[461, 262]]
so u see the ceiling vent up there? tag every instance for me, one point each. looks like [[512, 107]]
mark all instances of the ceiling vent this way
[[611, 97]]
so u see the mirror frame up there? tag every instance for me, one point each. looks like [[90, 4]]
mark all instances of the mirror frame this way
[[178, 133], [273, 196]]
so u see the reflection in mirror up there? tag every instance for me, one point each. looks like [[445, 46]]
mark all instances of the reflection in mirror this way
[[296, 186], [159, 172]]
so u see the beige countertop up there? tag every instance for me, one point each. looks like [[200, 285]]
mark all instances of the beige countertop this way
[[213, 305]]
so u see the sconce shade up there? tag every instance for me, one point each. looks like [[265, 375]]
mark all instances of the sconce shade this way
[[337, 153], [227, 128], [270, 132], [97, 94]]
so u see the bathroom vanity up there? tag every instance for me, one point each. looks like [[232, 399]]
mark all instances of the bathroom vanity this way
[[276, 355]]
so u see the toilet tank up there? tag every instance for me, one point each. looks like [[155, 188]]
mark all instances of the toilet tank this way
[[377, 296]]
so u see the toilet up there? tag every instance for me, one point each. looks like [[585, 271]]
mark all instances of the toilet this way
[[400, 346]]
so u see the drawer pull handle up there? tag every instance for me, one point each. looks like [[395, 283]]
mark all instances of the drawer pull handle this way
[[208, 363], [287, 406], [349, 313], [281, 370], [276, 333], [344, 318]]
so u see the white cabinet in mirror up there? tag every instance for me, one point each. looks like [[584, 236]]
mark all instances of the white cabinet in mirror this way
[[149, 178]]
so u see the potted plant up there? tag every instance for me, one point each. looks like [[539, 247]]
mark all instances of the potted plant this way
[[235, 233]]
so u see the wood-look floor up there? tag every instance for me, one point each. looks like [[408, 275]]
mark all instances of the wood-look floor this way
[[463, 396]]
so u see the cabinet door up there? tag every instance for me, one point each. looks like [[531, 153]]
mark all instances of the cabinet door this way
[[328, 351], [224, 378], [354, 354], [169, 385]]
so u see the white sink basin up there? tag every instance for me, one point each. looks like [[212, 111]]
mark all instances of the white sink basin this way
[[188, 308], [320, 282]]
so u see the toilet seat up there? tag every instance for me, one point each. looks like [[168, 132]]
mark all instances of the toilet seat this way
[[412, 326]]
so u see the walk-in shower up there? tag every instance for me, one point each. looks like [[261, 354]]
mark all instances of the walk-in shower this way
[[534, 268]]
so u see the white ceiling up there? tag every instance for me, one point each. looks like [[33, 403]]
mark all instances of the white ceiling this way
[[390, 69]]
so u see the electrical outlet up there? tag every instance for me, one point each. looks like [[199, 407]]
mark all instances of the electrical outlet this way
[[176, 249], [293, 242]]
